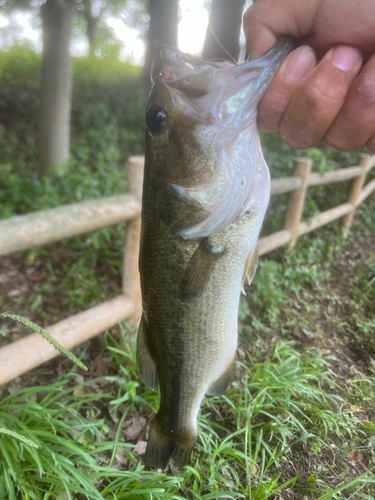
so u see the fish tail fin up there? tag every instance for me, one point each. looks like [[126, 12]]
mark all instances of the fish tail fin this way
[[164, 445]]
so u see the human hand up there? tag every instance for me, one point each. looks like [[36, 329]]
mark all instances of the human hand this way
[[325, 89]]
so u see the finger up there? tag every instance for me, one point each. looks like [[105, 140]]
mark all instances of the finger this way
[[320, 24], [265, 20], [355, 124], [319, 99], [275, 101]]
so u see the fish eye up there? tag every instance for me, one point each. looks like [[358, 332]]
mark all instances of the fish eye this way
[[157, 120]]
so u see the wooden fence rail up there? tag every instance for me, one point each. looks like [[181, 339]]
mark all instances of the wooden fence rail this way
[[47, 226], [56, 224]]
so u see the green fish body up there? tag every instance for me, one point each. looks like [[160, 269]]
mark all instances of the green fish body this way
[[206, 190]]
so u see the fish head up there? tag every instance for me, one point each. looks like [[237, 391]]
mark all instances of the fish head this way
[[201, 136], [177, 114]]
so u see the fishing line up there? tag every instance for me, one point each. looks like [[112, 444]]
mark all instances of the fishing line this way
[[218, 41], [152, 67], [242, 41]]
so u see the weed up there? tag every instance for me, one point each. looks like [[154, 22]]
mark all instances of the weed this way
[[247, 443], [47, 336]]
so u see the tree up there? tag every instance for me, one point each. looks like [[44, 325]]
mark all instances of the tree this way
[[91, 26], [56, 76], [56, 84], [163, 27], [94, 15], [223, 31]]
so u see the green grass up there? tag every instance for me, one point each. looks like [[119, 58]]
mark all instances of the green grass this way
[[248, 440]]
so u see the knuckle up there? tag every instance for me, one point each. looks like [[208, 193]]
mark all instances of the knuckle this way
[[317, 95], [272, 108]]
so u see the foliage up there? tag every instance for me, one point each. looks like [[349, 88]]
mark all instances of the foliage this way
[[107, 126], [247, 440], [280, 156], [279, 282], [283, 289], [22, 66], [101, 37]]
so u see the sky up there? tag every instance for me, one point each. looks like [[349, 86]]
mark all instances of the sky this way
[[194, 18]]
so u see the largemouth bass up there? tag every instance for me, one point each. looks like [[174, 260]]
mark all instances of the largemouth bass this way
[[205, 193]]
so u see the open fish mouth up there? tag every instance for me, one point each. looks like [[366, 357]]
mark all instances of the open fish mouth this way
[[221, 99]]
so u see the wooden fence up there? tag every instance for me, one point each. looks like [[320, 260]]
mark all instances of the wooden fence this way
[[56, 224]]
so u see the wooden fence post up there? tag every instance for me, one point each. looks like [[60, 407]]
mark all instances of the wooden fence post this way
[[354, 191], [131, 283], [294, 210]]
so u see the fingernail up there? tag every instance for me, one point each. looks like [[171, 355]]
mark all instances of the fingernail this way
[[345, 57], [298, 64]]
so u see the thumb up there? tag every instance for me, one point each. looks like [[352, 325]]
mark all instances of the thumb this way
[[266, 20]]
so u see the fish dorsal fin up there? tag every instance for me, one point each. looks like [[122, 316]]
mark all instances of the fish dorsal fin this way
[[220, 386], [199, 269], [250, 268], [146, 365]]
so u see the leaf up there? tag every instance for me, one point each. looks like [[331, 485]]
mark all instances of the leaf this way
[[140, 448], [135, 429]]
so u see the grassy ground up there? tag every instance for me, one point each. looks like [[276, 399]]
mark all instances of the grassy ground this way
[[297, 423]]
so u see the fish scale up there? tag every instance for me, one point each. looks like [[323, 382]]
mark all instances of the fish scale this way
[[205, 193]]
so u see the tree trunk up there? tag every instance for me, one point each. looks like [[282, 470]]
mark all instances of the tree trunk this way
[[91, 31], [163, 27], [225, 21], [56, 84]]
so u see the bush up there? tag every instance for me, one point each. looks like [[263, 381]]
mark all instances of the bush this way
[[107, 127], [279, 156], [21, 65]]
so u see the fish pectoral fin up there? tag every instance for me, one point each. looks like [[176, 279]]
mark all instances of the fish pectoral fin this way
[[145, 363], [220, 386], [250, 268], [199, 269]]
